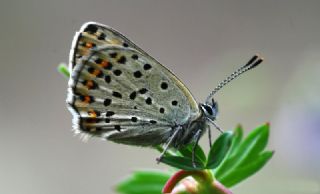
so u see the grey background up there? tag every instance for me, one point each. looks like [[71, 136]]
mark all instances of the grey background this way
[[202, 42]]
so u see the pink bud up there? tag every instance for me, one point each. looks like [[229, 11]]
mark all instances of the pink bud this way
[[184, 181]]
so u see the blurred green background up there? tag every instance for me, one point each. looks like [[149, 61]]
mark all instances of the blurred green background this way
[[202, 42]]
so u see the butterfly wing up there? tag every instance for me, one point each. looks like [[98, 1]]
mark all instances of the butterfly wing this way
[[119, 92]]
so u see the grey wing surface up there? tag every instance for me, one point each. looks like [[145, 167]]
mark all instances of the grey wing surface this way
[[120, 93]]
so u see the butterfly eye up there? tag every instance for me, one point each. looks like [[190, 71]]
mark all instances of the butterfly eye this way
[[208, 109]]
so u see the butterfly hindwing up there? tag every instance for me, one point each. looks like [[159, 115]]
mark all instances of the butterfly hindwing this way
[[118, 92]]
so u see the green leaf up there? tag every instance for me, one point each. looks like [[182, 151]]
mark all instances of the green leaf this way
[[245, 171], [63, 69], [254, 143], [226, 163], [169, 152], [187, 152], [182, 162], [248, 153], [219, 150], [237, 137], [232, 158], [142, 182]]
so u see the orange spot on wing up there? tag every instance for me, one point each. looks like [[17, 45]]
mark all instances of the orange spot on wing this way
[[92, 114], [96, 72], [104, 63], [89, 45], [87, 99], [89, 84]]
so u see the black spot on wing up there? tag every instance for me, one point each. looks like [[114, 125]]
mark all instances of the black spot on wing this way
[[133, 95], [113, 55], [137, 74], [117, 127], [117, 72], [143, 91], [91, 29], [109, 113], [164, 85], [174, 103], [147, 66], [102, 36], [122, 60], [98, 61], [149, 101], [107, 102], [116, 94], [107, 78], [153, 122], [134, 56], [134, 119]]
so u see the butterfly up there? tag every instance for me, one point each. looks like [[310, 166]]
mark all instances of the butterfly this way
[[118, 92]]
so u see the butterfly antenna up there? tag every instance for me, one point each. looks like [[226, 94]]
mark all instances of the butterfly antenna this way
[[252, 63]]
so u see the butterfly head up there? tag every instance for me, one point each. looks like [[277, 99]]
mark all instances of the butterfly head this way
[[210, 109]]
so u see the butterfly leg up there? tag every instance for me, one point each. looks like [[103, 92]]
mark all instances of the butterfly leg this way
[[197, 138], [209, 136], [173, 136]]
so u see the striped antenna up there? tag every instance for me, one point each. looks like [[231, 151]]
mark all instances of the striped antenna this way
[[252, 63]]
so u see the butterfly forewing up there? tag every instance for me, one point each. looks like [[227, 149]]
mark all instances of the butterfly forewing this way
[[119, 92]]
